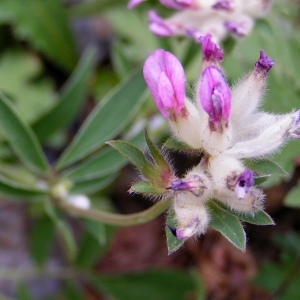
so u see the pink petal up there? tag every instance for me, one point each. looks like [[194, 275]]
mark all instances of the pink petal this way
[[158, 25], [215, 95], [165, 77], [133, 3]]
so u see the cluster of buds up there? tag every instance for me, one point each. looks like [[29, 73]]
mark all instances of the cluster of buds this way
[[199, 17], [224, 125]]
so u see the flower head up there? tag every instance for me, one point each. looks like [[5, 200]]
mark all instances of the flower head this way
[[196, 18], [225, 123]]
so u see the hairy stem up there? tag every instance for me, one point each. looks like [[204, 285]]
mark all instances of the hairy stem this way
[[117, 219]]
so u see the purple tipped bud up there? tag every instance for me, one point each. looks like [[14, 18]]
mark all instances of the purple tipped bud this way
[[238, 29], [215, 96], [223, 5], [265, 63], [179, 4], [166, 80], [158, 25], [133, 3], [210, 50], [181, 234], [185, 233], [244, 182], [194, 184]]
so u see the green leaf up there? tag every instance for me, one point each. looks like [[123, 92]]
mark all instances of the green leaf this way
[[41, 239], [70, 101], [45, 25], [92, 185], [107, 120], [21, 81], [136, 157], [145, 187], [96, 229], [23, 293], [228, 225], [259, 218], [158, 158], [106, 162], [172, 242], [64, 231], [266, 166], [121, 64], [16, 190], [293, 197], [147, 285], [73, 291], [21, 138], [174, 144]]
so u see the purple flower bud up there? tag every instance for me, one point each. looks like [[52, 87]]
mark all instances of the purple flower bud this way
[[265, 63], [133, 3], [179, 4], [215, 96], [210, 50], [182, 234], [223, 5], [244, 182], [166, 80], [158, 25], [235, 28], [194, 184]]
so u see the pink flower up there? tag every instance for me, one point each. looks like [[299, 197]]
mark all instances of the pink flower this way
[[179, 4], [165, 77], [211, 50], [215, 96], [133, 3], [158, 25]]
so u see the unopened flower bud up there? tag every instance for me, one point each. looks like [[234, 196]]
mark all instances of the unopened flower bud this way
[[133, 3], [264, 64], [191, 215], [166, 80], [195, 182], [239, 29], [223, 5], [179, 4], [211, 51], [248, 93], [159, 26], [215, 98]]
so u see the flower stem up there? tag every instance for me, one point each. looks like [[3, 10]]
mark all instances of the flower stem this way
[[117, 219]]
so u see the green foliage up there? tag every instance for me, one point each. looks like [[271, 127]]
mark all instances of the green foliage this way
[[41, 240], [160, 285], [228, 225], [21, 138], [70, 101], [111, 115], [282, 278], [293, 197], [172, 242], [21, 82], [45, 25]]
